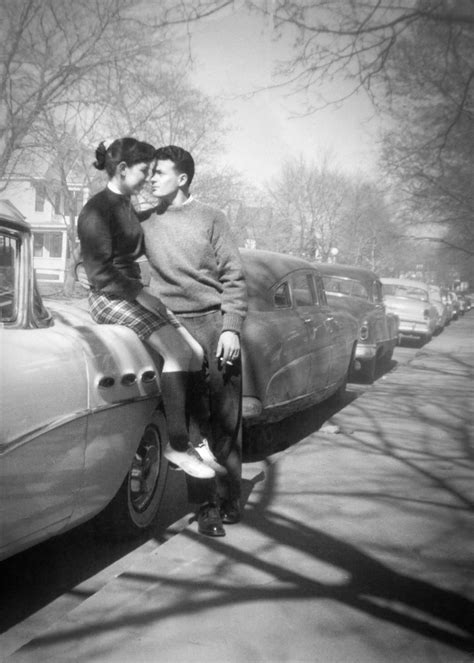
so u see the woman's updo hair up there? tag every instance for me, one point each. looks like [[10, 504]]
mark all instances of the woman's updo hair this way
[[128, 150]]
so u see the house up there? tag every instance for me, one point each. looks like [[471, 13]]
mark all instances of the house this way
[[51, 210]]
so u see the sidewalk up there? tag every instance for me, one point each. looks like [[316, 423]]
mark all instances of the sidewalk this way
[[356, 546]]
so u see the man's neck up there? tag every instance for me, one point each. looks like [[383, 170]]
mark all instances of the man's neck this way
[[180, 199]]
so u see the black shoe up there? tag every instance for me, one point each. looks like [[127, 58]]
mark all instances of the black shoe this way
[[209, 521], [230, 512]]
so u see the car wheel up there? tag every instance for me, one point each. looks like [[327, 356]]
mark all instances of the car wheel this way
[[367, 370], [137, 502]]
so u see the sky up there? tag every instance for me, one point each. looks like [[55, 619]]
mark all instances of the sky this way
[[233, 55]]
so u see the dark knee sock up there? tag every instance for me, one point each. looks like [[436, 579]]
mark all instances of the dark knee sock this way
[[198, 401], [174, 393]]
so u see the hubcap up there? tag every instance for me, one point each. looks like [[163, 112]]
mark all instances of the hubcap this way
[[145, 470]]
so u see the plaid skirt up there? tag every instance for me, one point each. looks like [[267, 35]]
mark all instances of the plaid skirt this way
[[112, 310]]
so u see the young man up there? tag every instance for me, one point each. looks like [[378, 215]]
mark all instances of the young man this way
[[196, 270]]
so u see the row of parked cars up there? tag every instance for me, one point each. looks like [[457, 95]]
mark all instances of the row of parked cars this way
[[81, 407]]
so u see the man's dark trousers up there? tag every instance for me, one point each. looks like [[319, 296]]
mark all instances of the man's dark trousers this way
[[225, 387]]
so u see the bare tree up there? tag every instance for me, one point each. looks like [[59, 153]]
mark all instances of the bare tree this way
[[309, 203], [55, 53], [416, 62]]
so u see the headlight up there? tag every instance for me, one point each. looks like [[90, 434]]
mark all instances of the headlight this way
[[426, 313]]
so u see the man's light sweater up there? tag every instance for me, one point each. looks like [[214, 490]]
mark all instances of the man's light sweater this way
[[195, 265]]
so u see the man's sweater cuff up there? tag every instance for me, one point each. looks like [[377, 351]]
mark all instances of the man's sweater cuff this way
[[232, 322]]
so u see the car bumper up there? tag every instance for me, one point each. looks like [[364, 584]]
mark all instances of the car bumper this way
[[415, 329], [365, 352]]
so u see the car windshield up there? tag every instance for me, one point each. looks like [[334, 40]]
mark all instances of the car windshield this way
[[409, 292], [343, 286], [8, 277]]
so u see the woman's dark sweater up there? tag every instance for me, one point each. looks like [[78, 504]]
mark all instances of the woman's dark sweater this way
[[111, 241]]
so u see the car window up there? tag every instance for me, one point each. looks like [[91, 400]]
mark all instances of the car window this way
[[281, 296], [409, 292], [377, 289], [303, 289], [319, 289], [345, 286], [9, 251]]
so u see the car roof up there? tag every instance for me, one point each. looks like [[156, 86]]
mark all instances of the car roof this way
[[410, 283], [348, 271], [266, 268], [12, 217]]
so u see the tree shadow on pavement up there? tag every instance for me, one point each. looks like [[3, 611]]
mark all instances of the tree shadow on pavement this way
[[369, 586], [415, 468]]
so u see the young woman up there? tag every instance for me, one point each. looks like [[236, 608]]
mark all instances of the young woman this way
[[111, 241]]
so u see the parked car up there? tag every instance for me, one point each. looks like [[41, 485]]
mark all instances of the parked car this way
[[410, 300], [79, 412], [448, 304], [436, 298], [297, 350], [463, 304], [359, 291], [80, 402], [455, 306]]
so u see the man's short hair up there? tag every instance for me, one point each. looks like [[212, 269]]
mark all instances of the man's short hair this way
[[183, 161]]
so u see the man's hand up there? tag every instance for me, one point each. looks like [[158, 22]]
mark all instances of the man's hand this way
[[228, 348]]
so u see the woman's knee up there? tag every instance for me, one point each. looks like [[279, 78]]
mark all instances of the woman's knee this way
[[173, 348]]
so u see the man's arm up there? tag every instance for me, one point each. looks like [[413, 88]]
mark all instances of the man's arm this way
[[231, 275], [234, 290]]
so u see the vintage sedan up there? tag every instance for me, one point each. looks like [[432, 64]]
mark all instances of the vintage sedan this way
[[297, 350], [80, 428], [410, 300], [359, 291]]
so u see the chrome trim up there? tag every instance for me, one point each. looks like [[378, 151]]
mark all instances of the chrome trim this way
[[6, 447]]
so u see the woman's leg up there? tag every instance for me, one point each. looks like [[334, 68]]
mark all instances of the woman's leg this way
[[177, 356]]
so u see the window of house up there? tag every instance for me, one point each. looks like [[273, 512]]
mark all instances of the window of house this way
[[47, 245], [40, 196], [57, 203]]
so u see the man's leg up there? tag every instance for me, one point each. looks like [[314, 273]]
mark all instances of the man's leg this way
[[226, 411]]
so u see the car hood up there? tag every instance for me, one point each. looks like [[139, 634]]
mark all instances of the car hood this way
[[354, 305]]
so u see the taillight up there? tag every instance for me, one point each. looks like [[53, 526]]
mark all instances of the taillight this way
[[364, 332]]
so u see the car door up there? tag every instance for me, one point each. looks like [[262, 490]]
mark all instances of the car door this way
[[43, 393], [335, 323], [287, 351], [319, 328]]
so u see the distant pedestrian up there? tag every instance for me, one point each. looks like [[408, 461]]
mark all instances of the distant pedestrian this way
[[197, 271], [111, 242]]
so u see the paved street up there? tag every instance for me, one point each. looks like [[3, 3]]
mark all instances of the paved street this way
[[356, 546]]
